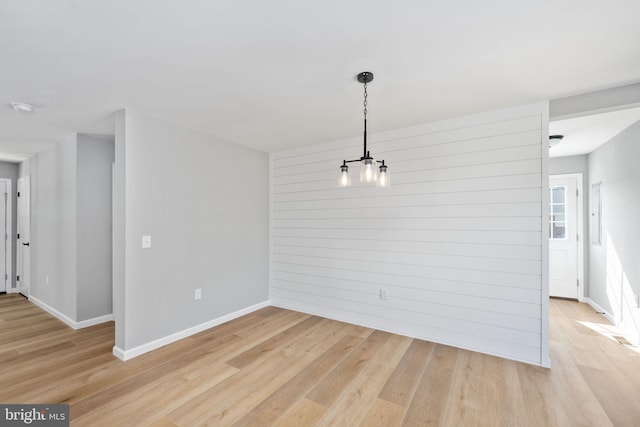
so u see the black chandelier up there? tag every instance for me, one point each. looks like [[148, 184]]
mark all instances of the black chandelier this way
[[370, 172]]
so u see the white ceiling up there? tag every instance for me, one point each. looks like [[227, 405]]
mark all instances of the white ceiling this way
[[584, 134], [277, 74]]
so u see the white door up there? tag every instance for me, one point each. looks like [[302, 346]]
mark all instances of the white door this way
[[563, 237], [3, 238], [23, 237]]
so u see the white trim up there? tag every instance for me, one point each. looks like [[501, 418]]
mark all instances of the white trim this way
[[161, 342], [94, 321], [601, 310], [119, 353], [23, 183], [270, 277], [9, 230], [545, 357], [580, 229], [66, 319]]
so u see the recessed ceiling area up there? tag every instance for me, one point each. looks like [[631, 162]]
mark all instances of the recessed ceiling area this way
[[279, 74], [584, 134]]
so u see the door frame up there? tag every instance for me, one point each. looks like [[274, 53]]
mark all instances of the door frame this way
[[579, 226], [10, 237], [24, 179]]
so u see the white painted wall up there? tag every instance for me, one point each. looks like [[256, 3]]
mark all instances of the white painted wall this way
[[204, 201], [95, 157], [457, 240], [53, 230], [615, 265], [71, 228]]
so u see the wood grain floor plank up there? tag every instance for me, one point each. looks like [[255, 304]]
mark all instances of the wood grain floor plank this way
[[360, 376], [355, 402], [618, 411], [541, 397], [305, 413], [328, 390], [584, 408], [401, 385], [266, 346], [503, 400], [433, 392], [383, 414], [282, 399]]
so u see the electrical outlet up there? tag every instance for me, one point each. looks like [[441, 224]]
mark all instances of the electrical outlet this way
[[146, 242], [198, 294], [384, 293], [46, 280]]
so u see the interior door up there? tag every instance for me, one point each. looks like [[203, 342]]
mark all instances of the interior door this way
[[3, 237], [563, 237], [23, 240]]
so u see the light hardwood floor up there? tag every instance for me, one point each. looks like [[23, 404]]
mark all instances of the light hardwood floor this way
[[276, 367]]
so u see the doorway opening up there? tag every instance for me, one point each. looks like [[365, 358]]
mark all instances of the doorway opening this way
[[566, 254], [23, 237], [6, 231]]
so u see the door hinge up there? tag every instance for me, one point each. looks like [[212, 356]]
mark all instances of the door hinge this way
[[18, 236], [577, 237], [576, 192], [17, 278], [18, 194], [578, 282]]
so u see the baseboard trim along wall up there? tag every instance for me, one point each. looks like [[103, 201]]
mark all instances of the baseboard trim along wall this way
[[600, 310], [67, 320], [630, 335], [388, 326], [161, 342]]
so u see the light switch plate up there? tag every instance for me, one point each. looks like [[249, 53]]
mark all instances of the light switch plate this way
[[146, 242]]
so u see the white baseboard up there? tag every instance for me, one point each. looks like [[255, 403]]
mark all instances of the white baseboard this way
[[161, 342], [119, 353], [95, 321], [599, 309], [66, 319]]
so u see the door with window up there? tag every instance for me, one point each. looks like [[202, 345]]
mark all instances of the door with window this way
[[563, 237], [23, 238], [5, 283]]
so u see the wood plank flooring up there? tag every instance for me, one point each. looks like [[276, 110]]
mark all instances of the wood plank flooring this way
[[276, 367]]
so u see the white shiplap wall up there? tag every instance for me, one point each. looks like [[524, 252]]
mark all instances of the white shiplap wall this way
[[457, 240]]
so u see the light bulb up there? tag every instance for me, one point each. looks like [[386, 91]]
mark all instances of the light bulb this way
[[383, 178], [343, 178], [369, 172]]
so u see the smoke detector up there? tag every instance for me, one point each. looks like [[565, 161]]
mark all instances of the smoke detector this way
[[21, 107]]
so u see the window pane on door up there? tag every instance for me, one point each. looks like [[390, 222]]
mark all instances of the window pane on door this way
[[557, 195], [558, 230], [557, 210]]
